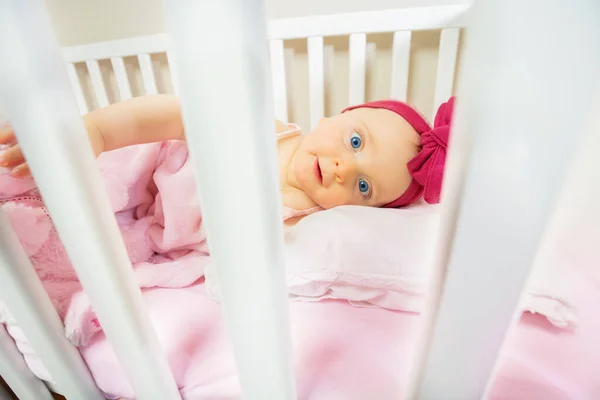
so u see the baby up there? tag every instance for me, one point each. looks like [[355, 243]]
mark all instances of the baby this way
[[378, 154]]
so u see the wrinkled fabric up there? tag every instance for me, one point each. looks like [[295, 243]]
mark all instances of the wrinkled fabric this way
[[152, 193]]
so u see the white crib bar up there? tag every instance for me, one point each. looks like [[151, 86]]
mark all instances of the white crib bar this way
[[97, 82], [121, 77], [358, 62], [409, 19], [31, 307], [316, 84], [76, 85], [228, 115], [514, 118], [400, 65], [279, 81], [147, 74], [444, 82], [17, 374], [36, 92]]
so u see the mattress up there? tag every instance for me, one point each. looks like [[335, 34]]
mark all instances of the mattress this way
[[345, 352]]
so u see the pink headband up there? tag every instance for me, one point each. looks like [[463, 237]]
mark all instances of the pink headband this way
[[427, 167]]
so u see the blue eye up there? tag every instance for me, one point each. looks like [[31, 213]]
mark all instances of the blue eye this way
[[364, 187], [355, 141]]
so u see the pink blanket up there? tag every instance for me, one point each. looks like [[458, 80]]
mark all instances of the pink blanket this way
[[152, 192], [340, 352], [349, 353]]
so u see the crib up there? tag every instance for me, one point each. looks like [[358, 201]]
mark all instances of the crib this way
[[38, 78]]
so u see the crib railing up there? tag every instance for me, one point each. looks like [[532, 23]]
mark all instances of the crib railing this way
[[245, 234], [505, 167], [401, 22], [35, 83], [508, 162]]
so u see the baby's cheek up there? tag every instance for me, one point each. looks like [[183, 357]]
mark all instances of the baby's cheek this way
[[333, 197]]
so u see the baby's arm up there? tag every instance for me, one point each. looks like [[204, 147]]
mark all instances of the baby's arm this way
[[136, 121], [139, 120]]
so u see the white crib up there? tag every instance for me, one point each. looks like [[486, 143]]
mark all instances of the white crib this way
[[478, 220]]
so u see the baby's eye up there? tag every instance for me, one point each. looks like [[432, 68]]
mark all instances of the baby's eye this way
[[355, 141], [364, 187]]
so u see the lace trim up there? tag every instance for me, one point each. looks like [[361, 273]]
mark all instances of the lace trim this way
[[32, 195]]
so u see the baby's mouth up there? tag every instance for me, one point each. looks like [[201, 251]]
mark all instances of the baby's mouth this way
[[318, 173]]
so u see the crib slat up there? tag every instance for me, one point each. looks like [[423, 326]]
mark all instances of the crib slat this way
[[28, 302], [488, 248], [342, 24], [400, 65], [316, 85], [97, 82], [17, 374], [77, 90], [57, 150], [253, 299], [358, 54], [147, 74], [279, 82], [444, 82], [121, 77]]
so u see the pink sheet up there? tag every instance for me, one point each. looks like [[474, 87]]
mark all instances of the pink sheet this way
[[344, 352], [340, 351]]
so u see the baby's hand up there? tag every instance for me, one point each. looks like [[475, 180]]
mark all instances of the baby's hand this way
[[11, 157]]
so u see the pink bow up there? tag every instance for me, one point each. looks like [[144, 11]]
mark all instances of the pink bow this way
[[427, 167]]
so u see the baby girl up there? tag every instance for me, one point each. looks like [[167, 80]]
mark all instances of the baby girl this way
[[378, 154]]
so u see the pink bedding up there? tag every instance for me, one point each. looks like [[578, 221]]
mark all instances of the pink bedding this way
[[344, 352], [340, 351]]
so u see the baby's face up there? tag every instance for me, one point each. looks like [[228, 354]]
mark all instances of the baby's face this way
[[358, 157]]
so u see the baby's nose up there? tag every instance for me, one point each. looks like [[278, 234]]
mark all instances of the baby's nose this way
[[345, 169]]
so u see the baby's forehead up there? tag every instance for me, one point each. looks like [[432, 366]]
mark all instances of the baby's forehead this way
[[388, 126], [391, 143], [388, 152], [388, 171], [376, 118]]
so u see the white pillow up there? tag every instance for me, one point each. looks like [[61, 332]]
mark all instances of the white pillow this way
[[376, 257], [373, 257], [368, 256]]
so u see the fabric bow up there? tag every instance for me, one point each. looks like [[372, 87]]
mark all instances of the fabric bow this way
[[427, 167]]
